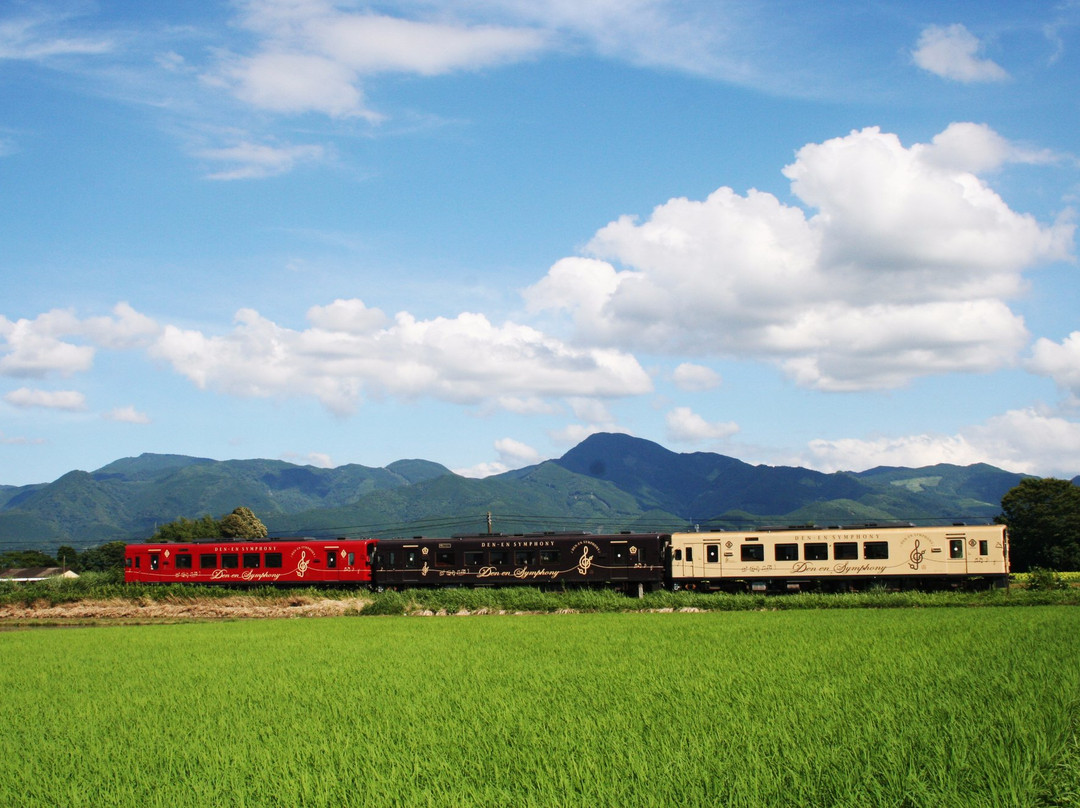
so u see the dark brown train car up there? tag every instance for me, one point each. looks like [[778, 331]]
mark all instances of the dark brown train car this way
[[633, 561]]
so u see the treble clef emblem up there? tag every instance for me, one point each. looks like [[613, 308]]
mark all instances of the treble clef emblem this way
[[916, 556], [584, 563], [302, 564]]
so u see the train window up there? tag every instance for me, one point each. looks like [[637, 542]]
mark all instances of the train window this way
[[845, 550], [984, 547], [712, 553], [678, 554], [474, 558], [273, 561], [875, 549], [183, 561], [618, 552], [331, 559], [523, 558], [816, 551], [787, 552], [549, 556], [352, 559], [753, 552], [138, 562], [208, 561], [499, 557], [412, 558], [230, 561], [127, 562], [154, 561], [251, 561], [689, 553], [956, 548], [444, 558]]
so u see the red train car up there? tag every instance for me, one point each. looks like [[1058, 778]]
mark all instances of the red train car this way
[[250, 563]]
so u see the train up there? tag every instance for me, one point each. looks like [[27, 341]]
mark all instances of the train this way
[[768, 560]]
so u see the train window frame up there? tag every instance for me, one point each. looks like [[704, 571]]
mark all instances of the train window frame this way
[[474, 558], [984, 547], [444, 558], [786, 551], [712, 553], [524, 558], [274, 561], [845, 551], [230, 561], [154, 560], [549, 556], [208, 561], [690, 554], [251, 561], [183, 561], [411, 558], [678, 554], [956, 549], [876, 550], [498, 558], [816, 551], [752, 552]]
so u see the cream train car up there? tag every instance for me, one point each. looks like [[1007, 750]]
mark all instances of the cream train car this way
[[794, 559]]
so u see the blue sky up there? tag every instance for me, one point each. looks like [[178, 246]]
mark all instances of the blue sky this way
[[834, 235]]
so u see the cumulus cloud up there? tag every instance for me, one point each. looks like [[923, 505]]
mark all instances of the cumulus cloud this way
[[1059, 361], [686, 426], [465, 359], [50, 343], [952, 53], [1026, 441], [27, 398], [901, 271]]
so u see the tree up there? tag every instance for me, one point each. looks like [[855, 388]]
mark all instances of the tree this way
[[68, 557], [18, 559], [242, 524], [1043, 517], [109, 556], [184, 529]]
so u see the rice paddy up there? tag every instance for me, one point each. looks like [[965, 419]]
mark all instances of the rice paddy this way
[[855, 707]]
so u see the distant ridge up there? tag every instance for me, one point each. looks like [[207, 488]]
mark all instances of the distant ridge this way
[[609, 481]]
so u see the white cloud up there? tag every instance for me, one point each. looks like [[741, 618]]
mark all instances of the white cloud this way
[[952, 53], [1059, 361], [254, 160], [515, 453], [37, 38], [693, 378], [42, 346], [686, 426], [313, 56], [26, 398], [127, 415], [466, 359], [901, 271], [1026, 441], [319, 460], [33, 348], [20, 441]]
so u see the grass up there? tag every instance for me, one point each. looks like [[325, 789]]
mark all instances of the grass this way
[[846, 707]]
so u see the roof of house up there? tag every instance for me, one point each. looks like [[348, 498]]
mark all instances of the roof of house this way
[[36, 573]]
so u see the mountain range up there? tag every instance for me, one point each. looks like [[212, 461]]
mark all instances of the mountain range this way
[[607, 482]]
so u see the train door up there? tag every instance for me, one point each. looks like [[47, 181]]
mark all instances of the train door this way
[[334, 557], [957, 551], [620, 560]]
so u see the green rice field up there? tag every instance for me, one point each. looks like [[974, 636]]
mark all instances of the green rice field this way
[[859, 707]]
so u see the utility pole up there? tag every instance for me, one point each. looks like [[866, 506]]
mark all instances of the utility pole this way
[[489, 522]]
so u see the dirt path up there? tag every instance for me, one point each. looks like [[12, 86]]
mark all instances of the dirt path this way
[[175, 610]]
